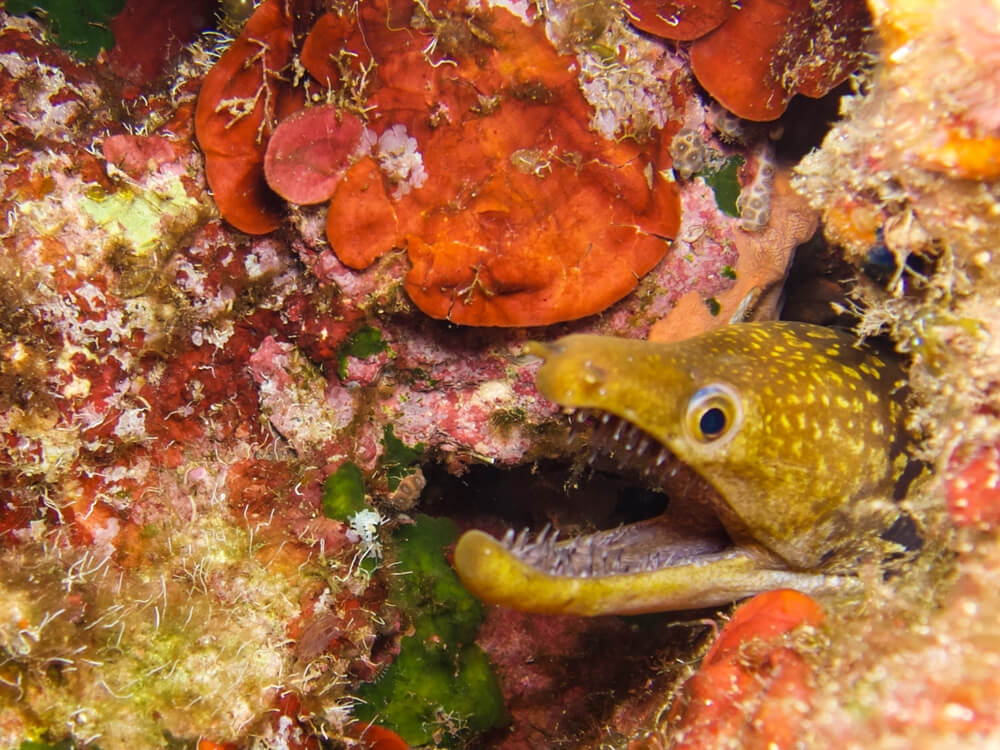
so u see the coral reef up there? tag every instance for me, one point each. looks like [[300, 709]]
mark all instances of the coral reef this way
[[176, 396], [230, 367]]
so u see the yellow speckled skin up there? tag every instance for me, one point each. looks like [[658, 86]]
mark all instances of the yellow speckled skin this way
[[821, 429], [800, 432]]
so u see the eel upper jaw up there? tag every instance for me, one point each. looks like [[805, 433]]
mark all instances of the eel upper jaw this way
[[679, 560]]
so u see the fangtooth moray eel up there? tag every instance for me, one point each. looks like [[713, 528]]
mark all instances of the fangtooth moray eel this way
[[792, 434]]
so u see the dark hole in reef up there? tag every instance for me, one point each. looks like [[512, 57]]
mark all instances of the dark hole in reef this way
[[905, 532], [818, 279], [566, 678], [806, 122], [881, 265]]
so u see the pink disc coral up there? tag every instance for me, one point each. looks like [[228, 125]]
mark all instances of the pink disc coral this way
[[309, 152]]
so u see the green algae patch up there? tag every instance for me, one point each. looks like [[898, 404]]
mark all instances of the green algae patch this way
[[78, 26], [441, 687], [725, 183], [344, 493], [364, 343], [66, 744], [398, 458], [137, 217]]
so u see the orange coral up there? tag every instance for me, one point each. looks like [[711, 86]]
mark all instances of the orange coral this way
[[477, 160], [679, 19], [753, 688], [754, 56], [771, 50], [484, 169], [240, 100], [961, 151], [374, 737]]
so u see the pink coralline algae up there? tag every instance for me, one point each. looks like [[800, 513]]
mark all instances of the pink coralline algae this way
[[309, 153]]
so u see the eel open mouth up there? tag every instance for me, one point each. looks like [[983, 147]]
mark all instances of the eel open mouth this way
[[681, 559], [687, 531]]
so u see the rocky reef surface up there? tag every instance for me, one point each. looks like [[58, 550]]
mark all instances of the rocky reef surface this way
[[266, 275]]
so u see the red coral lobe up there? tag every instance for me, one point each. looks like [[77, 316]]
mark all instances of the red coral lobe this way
[[241, 99], [752, 689], [770, 50], [679, 19]]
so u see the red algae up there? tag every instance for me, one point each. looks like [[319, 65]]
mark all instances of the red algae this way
[[509, 209], [972, 488], [754, 684], [754, 56], [240, 101]]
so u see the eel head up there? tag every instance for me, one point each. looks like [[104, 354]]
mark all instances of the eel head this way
[[780, 445]]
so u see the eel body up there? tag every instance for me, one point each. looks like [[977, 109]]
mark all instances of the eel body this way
[[781, 446]]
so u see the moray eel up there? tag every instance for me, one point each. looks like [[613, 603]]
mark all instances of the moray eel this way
[[782, 447]]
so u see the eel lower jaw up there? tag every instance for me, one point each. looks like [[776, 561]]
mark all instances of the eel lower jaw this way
[[672, 562]]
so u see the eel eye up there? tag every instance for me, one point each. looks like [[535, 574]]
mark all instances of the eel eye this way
[[713, 413]]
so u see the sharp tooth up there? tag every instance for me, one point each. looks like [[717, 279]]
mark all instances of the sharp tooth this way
[[522, 537], [643, 444], [542, 534], [619, 428], [508, 538], [605, 418], [661, 457]]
